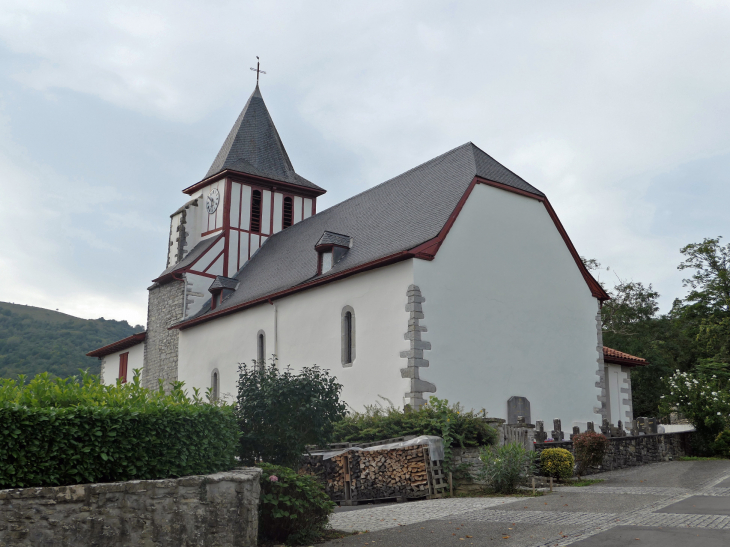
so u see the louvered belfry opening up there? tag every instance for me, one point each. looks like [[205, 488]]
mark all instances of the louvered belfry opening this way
[[288, 212], [256, 211]]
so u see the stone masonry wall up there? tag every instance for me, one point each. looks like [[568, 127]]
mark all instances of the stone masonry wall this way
[[622, 451], [634, 450], [207, 511], [165, 306]]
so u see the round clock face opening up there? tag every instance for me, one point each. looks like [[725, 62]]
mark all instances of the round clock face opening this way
[[211, 202]]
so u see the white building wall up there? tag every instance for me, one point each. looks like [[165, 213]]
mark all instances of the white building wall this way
[[616, 378], [306, 329], [110, 364], [509, 313]]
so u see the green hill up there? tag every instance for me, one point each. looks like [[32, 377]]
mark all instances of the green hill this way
[[34, 340]]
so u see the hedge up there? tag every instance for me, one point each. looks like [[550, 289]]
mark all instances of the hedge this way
[[71, 431]]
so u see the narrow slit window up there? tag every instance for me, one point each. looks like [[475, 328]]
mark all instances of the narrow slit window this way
[[123, 361], [214, 386], [348, 337], [261, 349], [256, 211], [288, 212]]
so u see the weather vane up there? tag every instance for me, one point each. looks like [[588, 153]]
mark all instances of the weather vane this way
[[258, 69]]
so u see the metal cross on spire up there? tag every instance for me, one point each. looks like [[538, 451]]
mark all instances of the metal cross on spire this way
[[258, 69]]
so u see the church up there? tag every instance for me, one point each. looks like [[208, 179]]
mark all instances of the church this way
[[455, 278]]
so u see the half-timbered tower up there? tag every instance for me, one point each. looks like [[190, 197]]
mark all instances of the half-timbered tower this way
[[250, 192]]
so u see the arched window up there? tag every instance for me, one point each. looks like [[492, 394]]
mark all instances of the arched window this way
[[348, 336], [256, 211], [261, 349], [215, 385], [288, 213]]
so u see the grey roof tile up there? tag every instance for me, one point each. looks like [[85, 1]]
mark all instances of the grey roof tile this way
[[253, 146], [221, 282], [330, 238], [192, 256], [394, 216]]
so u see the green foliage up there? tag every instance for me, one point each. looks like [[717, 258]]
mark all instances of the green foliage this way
[[704, 401], [505, 466], [280, 413], [557, 462], [77, 430], [722, 443], [434, 418], [34, 340], [693, 337], [590, 448], [294, 508]]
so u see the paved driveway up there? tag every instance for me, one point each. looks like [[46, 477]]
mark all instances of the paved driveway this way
[[668, 504]]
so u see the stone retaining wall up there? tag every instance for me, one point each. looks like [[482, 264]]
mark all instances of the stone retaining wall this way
[[631, 451], [207, 511], [622, 451]]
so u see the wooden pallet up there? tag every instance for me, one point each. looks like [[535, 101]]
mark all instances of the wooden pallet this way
[[439, 482]]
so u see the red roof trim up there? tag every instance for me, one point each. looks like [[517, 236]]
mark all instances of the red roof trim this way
[[385, 261], [424, 251], [239, 176], [119, 345], [176, 273], [616, 357]]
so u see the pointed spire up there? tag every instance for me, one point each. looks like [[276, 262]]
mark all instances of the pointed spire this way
[[253, 146]]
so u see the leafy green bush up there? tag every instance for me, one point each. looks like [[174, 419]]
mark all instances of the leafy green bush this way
[[722, 443], [378, 423], [75, 430], [557, 462], [590, 448], [293, 508], [280, 413], [705, 402], [506, 466]]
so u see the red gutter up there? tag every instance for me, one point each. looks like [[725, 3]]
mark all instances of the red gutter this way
[[124, 343], [385, 261]]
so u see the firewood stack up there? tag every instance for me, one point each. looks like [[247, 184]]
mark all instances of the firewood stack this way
[[368, 475]]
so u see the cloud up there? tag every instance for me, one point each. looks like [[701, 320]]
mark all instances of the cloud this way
[[594, 103]]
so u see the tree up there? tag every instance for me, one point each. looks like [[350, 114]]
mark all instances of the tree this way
[[280, 412]]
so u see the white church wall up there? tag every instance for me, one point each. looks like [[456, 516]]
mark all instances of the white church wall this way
[[616, 378], [297, 205], [110, 364], [174, 235], [305, 329], [278, 211], [222, 344], [307, 208], [309, 332], [509, 313], [266, 203]]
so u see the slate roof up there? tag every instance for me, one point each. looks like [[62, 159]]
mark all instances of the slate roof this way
[[330, 238], [611, 355], [223, 283], [191, 257], [253, 146], [394, 216]]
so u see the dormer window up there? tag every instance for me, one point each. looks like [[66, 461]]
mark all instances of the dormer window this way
[[220, 289], [288, 218], [331, 248]]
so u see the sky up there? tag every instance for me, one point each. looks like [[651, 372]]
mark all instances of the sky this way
[[619, 111]]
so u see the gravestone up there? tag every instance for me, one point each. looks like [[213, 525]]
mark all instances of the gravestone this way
[[576, 431], [540, 434], [641, 425], [652, 425], [516, 407], [589, 427], [557, 431]]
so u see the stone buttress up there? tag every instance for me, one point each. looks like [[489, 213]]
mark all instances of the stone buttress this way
[[415, 355]]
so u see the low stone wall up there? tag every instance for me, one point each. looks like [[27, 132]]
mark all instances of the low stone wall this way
[[207, 511], [634, 450], [622, 451]]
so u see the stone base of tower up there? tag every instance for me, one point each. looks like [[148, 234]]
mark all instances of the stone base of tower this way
[[165, 307]]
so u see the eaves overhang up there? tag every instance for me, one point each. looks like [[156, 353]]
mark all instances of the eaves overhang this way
[[262, 181], [119, 345]]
